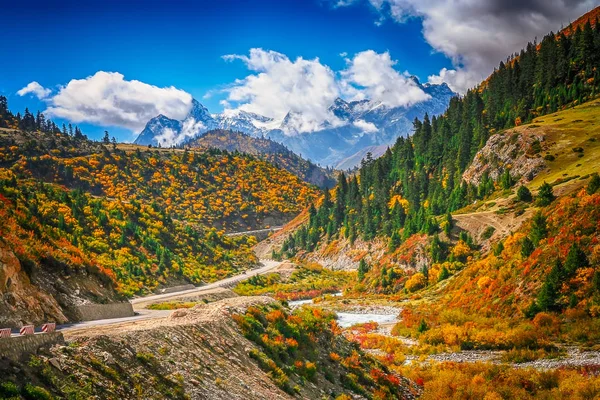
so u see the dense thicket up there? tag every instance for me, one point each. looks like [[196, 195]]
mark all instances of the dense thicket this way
[[421, 176]]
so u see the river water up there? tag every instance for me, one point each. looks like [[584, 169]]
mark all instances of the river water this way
[[347, 319]]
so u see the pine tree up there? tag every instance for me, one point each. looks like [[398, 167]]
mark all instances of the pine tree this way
[[527, 247], [550, 293], [106, 138], [449, 224], [545, 195], [506, 180], [523, 194], [498, 249], [444, 274], [363, 268], [436, 250], [395, 242], [576, 259], [539, 228], [594, 184]]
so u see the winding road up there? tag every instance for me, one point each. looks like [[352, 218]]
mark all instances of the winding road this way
[[140, 303]]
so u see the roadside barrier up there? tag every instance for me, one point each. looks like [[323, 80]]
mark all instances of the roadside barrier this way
[[27, 330], [49, 327]]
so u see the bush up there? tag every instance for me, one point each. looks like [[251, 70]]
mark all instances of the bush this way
[[546, 322], [488, 232], [31, 392], [416, 282], [524, 194], [8, 389]]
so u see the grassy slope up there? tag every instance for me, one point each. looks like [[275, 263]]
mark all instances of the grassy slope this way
[[578, 127]]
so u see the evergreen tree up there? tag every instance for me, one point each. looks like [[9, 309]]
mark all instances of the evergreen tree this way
[[545, 195], [539, 228], [436, 250], [506, 180], [363, 268], [576, 259], [523, 194], [498, 249], [449, 224], [395, 241], [594, 184], [527, 247], [444, 274], [550, 292], [106, 138]]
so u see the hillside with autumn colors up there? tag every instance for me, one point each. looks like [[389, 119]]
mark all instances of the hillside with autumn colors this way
[[276, 153], [125, 219], [464, 263], [482, 228]]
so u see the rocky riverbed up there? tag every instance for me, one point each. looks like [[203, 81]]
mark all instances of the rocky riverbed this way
[[573, 358]]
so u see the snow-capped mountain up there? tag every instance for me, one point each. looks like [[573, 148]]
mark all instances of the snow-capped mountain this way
[[353, 126], [246, 122], [155, 128]]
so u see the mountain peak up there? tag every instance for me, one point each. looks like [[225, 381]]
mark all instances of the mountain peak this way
[[199, 112]]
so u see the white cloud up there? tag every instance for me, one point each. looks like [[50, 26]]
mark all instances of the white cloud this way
[[107, 99], [190, 128], [477, 34], [306, 88], [36, 89], [372, 75], [367, 127]]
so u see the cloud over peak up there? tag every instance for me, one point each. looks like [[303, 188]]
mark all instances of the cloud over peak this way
[[305, 88], [108, 99], [477, 35]]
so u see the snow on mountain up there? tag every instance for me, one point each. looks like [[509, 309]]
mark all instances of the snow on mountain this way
[[340, 140]]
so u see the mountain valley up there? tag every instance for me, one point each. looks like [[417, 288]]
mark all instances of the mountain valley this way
[[445, 250]]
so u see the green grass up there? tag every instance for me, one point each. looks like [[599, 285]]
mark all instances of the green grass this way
[[172, 305], [576, 128]]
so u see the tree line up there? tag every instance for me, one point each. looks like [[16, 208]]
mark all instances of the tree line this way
[[420, 177], [30, 123]]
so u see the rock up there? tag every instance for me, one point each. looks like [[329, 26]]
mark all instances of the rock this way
[[178, 314], [513, 150], [55, 362]]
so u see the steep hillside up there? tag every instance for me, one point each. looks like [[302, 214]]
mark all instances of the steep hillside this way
[[591, 17], [264, 351], [551, 148], [83, 221], [266, 149], [414, 184]]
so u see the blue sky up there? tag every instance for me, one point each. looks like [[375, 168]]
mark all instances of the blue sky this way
[[181, 43]]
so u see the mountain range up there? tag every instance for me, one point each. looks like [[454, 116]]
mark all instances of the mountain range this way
[[339, 142], [276, 153]]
